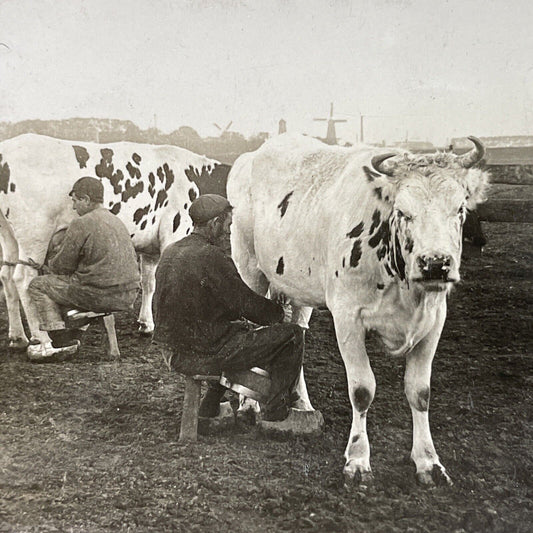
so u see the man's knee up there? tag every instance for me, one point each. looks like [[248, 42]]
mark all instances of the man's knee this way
[[295, 335], [290, 330], [36, 285], [298, 334]]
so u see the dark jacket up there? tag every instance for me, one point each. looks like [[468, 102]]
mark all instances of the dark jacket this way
[[97, 251], [200, 299]]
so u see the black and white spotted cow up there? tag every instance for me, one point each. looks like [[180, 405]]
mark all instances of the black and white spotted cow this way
[[148, 187], [376, 239]]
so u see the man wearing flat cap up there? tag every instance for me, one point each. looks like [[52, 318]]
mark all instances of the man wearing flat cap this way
[[95, 269], [203, 310]]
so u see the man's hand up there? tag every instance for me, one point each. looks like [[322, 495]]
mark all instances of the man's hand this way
[[285, 302]]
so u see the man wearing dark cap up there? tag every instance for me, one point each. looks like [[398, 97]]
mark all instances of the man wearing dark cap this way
[[202, 308], [95, 269]]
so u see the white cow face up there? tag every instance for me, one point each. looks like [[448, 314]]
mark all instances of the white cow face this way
[[426, 229], [429, 197]]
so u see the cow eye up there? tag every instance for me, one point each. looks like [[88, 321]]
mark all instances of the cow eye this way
[[401, 214]]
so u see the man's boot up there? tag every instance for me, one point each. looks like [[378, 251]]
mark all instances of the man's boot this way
[[210, 404]]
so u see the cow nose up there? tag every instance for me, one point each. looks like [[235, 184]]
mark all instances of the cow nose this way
[[434, 267]]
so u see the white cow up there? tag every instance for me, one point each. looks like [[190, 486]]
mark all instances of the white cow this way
[[148, 187], [376, 239]]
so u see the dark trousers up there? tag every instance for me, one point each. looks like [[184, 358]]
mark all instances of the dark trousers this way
[[278, 349], [52, 294]]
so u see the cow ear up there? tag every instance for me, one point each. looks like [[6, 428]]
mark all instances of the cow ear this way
[[383, 187], [476, 184]]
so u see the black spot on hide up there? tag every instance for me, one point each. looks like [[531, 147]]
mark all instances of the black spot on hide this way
[[12, 187], [422, 400], [82, 155], [161, 197], [4, 176], [356, 232], [377, 193], [140, 213], [381, 236], [131, 191], [362, 399], [151, 184], [376, 219], [116, 208], [134, 172], [176, 222], [282, 206], [192, 195], [168, 176], [106, 169], [136, 158], [355, 256], [281, 267], [210, 179]]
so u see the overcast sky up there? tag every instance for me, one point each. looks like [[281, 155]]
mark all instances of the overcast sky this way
[[430, 69]]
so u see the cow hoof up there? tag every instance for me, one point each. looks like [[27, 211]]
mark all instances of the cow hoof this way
[[18, 344], [359, 480], [144, 330], [436, 477]]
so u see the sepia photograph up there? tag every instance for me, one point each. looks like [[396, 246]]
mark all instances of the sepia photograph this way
[[266, 266]]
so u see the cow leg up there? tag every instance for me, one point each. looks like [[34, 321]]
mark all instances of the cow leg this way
[[429, 470], [17, 336], [22, 278], [10, 253], [361, 388], [146, 319], [301, 316]]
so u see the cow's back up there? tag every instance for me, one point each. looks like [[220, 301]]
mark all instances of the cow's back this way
[[142, 183], [293, 190]]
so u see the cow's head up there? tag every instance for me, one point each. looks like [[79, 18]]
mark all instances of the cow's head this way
[[428, 197]]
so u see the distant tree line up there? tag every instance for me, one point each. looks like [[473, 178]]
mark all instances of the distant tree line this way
[[226, 148]]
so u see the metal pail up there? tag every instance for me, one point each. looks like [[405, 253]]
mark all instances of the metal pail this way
[[253, 383]]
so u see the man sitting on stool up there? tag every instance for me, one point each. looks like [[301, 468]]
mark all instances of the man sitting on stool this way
[[95, 270], [200, 304]]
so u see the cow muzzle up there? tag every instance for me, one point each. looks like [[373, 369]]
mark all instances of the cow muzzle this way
[[435, 268]]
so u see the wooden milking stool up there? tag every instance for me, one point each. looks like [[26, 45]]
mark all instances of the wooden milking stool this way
[[108, 319], [254, 383], [191, 406]]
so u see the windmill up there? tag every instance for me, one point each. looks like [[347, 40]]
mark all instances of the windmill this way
[[331, 136], [223, 130]]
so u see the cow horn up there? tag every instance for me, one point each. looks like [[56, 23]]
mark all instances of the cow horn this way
[[378, 160], [474, 156]]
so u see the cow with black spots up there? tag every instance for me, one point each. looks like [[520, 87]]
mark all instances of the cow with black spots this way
[[374, 237], [148, 187]]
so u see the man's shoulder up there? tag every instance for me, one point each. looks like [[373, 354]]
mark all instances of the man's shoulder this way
[[198, 247]]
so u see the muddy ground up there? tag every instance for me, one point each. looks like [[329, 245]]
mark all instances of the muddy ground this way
[[91, 445]]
